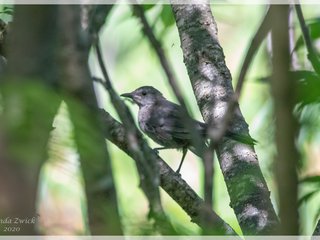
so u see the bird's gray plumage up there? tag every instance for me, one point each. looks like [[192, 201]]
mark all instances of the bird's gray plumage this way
[[163, 121]]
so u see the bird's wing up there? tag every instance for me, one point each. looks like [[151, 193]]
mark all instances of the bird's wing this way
[[172, 122]]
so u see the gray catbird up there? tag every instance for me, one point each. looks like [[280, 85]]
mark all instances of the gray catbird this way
[[163, 122]]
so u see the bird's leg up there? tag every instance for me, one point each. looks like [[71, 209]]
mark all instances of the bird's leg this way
[[160, 148], [184, 152]]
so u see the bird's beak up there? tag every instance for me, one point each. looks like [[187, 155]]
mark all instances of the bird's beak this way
[[127, 95]]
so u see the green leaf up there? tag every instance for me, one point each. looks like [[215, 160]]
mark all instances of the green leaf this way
[[307, 196], [308, 87], [307, 84], [7, 10], [316, 216], [310, 179], [166, 15], [295, 75], [147, 7], [314, 29]]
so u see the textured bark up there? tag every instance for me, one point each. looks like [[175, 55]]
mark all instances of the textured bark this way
[[211, 82], [29, 105], [3, 38], [81, 101], [317, 229], [283, 90], [172, 183]]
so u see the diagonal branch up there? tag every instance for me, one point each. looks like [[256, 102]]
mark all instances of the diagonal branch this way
[[211, 82], [147, 30], [148, 172], [146, 165], [171, 182], [317, 229], [264, 28]]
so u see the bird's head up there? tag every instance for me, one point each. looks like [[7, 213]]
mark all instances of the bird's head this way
[[144, 96]]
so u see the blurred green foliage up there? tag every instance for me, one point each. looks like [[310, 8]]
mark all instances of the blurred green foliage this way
[[314, 28], [6, 12], [132, 63]]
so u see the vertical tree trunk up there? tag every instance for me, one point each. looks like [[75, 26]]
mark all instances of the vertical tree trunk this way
[[282, 88], [81, 101]]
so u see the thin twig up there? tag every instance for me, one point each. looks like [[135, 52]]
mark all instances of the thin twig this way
[[294, 57], [312, 55], [147, 30], [147, 167], [189, 124], [256, 41]]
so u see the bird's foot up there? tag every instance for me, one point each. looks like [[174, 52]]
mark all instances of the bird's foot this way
[[178, 172]]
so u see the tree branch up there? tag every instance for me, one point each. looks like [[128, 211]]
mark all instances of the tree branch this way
[[211, 82], [264, 28], [317, 229], [148, 172], [147, 168], [171, 182]]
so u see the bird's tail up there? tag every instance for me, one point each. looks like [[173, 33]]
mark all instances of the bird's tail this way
[[246, 139], [208, 163]]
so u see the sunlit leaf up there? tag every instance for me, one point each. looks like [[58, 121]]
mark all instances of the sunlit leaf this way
[[308, 87], [147, 7], [307, 196], [307, 83], [7, 10], [167, 16], [317, 216], [314, 29], [311, 179]]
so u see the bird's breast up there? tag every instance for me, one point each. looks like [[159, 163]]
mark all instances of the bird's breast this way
[[144, 118]]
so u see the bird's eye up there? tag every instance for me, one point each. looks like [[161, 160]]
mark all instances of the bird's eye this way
[[144, 93]]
